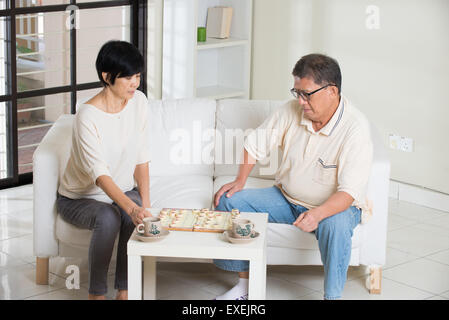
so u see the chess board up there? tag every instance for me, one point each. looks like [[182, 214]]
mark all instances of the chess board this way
[[197, 220]]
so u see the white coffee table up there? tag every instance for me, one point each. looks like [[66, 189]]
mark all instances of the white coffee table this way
[[200, 245]]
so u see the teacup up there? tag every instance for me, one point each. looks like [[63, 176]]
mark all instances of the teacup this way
[[151, 227], [242, 228]]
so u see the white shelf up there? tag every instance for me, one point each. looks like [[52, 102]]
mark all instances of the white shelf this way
[[218, 92], [216, 68], [212, 43]]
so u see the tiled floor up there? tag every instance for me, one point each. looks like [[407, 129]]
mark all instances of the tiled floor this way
[[417, 262]]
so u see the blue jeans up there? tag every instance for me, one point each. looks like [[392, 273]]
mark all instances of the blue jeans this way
[[333, 233]]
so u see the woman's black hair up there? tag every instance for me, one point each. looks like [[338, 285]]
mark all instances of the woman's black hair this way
[[119, 59]]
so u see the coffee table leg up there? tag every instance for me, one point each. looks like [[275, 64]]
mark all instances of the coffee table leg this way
[[257, 279], [134, 277], [149, 278]]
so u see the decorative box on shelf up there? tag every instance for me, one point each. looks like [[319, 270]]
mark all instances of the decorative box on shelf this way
[[219, 22]]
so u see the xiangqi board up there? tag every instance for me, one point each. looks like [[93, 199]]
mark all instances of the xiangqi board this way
[[196, 220]]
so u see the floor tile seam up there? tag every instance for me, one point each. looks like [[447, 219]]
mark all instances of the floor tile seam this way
[[193, 283], [11, 215], [321, 293], [15, 237], [439, 296], [402, 203], [402, 263], [415, 226], [18, 258], [211, 292], [436, 261], [415, 254], [403, 216], [40, 294], [47, 292], [398, 215], [411, 286], [444, 228], [295, 282], [25, 197], [18, 211], [415, 222], [402, 227], [196, 287], [24, 235]]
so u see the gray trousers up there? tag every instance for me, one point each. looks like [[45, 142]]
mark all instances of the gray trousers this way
[[106, 221]]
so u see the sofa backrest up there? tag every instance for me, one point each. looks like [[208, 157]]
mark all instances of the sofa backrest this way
[[181, 137], [58, 141], [235, 119]]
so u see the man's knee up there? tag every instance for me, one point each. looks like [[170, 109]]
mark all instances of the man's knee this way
[[223, 203], [336, 224], [229, 203]]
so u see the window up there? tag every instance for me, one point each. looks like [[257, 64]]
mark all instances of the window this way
[[47, 62]]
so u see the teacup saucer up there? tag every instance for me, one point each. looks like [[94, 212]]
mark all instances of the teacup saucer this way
[[232, 239], [160, 236]]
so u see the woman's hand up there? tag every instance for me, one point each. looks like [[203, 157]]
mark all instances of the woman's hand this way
[[138, 214]]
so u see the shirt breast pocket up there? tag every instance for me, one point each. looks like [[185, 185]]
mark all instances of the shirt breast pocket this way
[[325, 173]]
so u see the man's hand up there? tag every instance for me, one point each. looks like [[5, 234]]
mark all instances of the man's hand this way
[[230, 188], [138, 214], [309, 220]]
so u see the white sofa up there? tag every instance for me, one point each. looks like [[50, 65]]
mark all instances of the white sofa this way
[[190, 162]]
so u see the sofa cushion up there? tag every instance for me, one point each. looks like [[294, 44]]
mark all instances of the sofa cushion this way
[[72, 235], [181, 137], [235, 119], [283, 235], [251, 182], [191, 192]]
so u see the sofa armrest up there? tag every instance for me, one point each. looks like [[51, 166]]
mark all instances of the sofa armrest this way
[[49, 160], [374, 236]]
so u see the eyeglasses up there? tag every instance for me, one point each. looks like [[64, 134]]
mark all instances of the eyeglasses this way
[[306, 95]]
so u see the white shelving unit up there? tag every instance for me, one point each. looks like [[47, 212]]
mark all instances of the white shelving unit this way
[[217, 68]]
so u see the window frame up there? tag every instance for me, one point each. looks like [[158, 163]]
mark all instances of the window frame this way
[[138, 37]]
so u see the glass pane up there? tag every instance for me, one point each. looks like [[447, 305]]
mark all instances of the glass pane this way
[[93, 33], [43, 55], [2, 4], [37, 3], [5, 172], [3, 56], [35, 116]]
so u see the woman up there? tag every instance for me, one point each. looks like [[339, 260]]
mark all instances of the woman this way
[[105, 187]]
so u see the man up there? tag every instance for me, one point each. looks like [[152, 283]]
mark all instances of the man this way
[[323, 174]]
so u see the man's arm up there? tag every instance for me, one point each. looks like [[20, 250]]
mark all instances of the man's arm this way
[[239, 182], [338, 202]]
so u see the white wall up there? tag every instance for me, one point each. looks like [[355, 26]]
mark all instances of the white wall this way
[[398, 75], [154, 49]]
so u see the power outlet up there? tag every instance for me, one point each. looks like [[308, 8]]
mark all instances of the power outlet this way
[[394, 141], [406, 144], [401, 143]]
